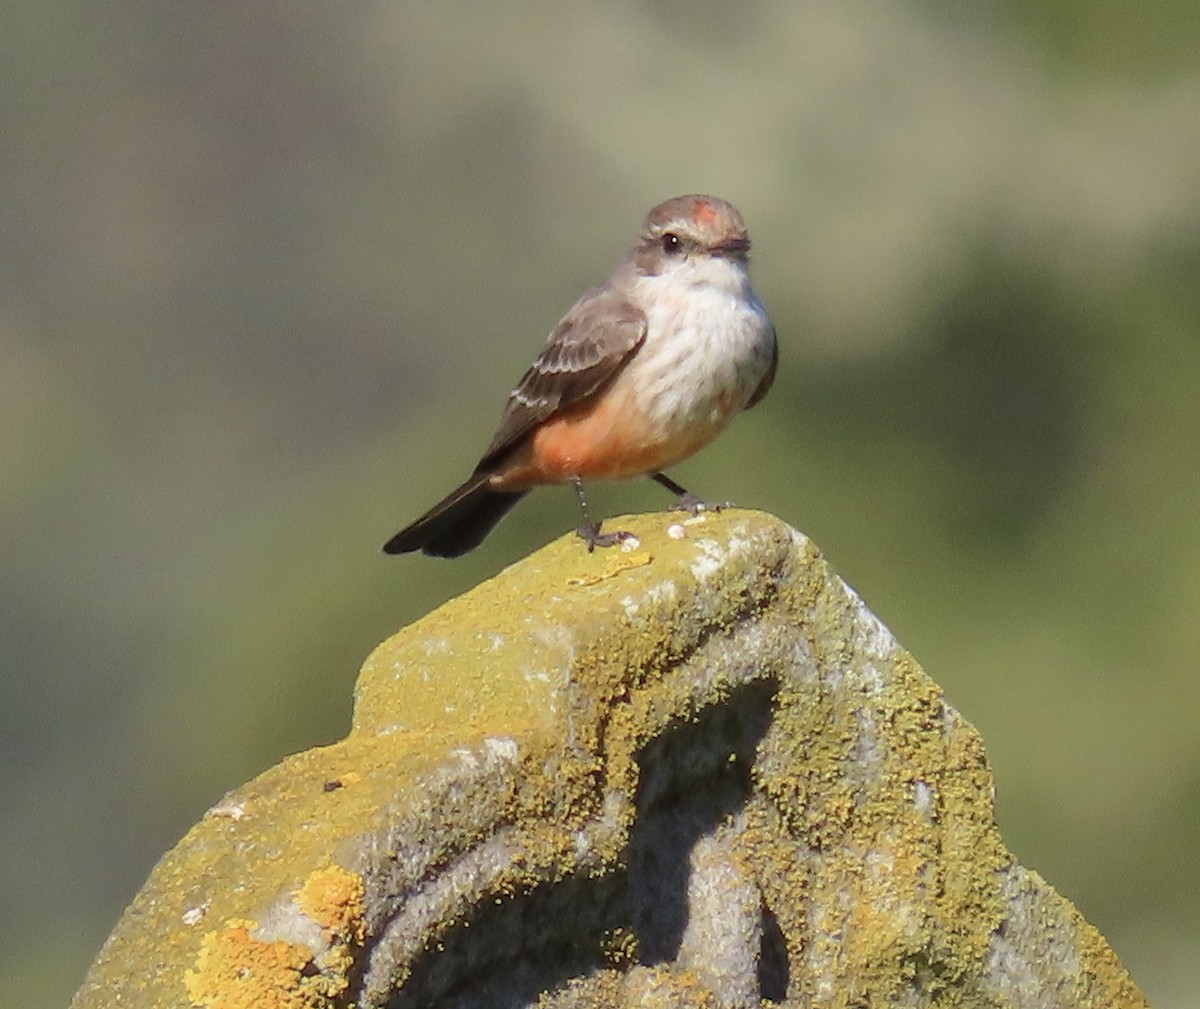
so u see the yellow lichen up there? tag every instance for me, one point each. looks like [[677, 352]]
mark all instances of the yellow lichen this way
[[619, 946], [614, 564]]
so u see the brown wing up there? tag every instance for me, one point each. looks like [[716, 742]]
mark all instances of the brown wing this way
[[583, 353]]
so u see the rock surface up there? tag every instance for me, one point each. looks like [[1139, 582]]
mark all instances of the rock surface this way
[[695, 773]]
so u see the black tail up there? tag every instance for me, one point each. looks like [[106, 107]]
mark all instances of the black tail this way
[[456, 524]]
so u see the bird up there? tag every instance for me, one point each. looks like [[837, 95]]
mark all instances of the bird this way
[[644, 370]]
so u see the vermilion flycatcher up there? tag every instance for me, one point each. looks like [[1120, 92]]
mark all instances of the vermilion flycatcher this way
[[645, 369]]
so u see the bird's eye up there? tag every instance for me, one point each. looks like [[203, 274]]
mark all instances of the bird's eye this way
[[671, 242]]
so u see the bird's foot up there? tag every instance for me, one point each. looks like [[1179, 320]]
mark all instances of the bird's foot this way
[[687, 502], [591, 535]]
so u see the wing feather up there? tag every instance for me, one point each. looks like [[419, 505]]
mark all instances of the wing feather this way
[[583, 353], [769, 378]]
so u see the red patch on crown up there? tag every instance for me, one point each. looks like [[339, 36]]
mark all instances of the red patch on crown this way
[[704, 213]]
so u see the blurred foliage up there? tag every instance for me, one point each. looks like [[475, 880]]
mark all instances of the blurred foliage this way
[[269, 271]]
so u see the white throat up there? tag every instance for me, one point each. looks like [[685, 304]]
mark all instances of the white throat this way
[[709, 344]]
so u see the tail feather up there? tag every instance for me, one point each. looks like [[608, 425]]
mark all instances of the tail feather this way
[[458, 523]]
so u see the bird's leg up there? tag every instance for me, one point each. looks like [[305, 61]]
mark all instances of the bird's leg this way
[[685, 500], [589, 531]]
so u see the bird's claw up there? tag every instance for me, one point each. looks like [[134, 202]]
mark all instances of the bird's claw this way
[[694, 506], [593, 537]]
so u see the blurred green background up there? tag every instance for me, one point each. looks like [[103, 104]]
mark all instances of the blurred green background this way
[[269, 270]]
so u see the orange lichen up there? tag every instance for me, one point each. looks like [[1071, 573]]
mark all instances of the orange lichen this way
[[235, 971], [333, 898]]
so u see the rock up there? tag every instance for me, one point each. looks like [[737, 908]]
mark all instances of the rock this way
[[697, 773]]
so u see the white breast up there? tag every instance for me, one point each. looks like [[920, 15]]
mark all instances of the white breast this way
[[709, 345]]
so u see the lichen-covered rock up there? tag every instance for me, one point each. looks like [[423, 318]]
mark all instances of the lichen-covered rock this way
[[698, 773]]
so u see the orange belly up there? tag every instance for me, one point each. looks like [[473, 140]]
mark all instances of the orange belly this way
[[606, 439]]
